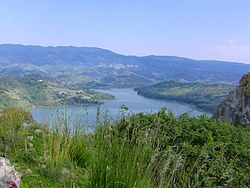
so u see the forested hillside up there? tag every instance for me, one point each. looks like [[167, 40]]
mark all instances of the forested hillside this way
[[204, 96], [31, 91]]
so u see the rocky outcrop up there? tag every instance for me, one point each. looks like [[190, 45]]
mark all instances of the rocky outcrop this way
[[9, 177], [235, 109]]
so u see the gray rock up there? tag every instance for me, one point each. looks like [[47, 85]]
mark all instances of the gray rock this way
[[25, 124], [8, 173], [38, 132], [44, 166], [28, 123], [30, 138], [28, 171], [235, 109], [65, 172]]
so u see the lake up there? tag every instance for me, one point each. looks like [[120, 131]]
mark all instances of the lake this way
[[110, 110]]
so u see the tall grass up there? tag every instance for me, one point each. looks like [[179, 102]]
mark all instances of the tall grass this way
[[143, 150]]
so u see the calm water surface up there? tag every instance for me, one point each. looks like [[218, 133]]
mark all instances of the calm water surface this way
[[110, 110]]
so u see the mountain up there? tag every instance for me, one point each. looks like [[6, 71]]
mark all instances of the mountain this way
[[235, 109], [204, 96], [95, 67], [22, 70]]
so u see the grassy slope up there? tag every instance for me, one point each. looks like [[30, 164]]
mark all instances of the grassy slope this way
[[145, 150], [27, 92], [201, 95]]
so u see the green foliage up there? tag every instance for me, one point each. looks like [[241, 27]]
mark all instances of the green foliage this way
[[11, 129], [215, 153], [143, 150]]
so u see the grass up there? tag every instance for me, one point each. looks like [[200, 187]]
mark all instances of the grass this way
[[143, 150]]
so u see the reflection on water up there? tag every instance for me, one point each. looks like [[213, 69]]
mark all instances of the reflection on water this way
[[110, 110]]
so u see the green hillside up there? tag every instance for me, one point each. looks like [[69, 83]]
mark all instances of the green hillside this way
[[202, 95], [31, 91]]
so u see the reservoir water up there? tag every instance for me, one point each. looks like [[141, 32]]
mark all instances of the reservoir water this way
[[109, 110]]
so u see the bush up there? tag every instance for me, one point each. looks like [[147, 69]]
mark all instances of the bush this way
[[143, 150], [160, 150]]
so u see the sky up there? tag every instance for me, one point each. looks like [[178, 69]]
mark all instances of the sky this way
[[199, 29]]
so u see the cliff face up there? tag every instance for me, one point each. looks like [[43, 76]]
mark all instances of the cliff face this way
[[235, 109]]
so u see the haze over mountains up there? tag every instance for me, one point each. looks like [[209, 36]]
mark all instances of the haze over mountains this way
[[95, 67]]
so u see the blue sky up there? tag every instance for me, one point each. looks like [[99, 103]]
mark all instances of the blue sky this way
[[200, 29]]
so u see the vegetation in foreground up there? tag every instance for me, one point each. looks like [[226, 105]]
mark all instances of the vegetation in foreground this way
[[204, 96], [143, 150]]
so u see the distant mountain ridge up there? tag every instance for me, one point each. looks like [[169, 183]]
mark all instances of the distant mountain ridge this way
[[94, 66]]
